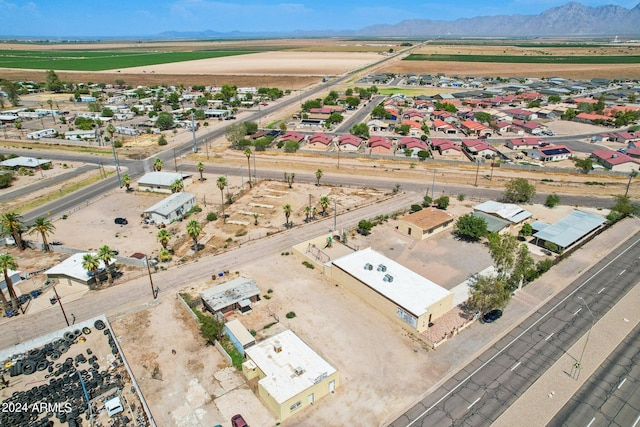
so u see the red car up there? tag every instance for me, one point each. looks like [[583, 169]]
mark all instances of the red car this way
[[238, 421]]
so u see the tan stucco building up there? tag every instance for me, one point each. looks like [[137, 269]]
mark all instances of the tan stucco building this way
[[290, 375], [425, 223], [408, 299]]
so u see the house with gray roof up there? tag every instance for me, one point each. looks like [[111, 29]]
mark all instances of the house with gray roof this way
[[24, 162], [160, 182], [237, 294], [569, 230], [506, 211], [171, 208]]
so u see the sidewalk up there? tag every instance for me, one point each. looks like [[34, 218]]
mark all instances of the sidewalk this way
[[540, 403]]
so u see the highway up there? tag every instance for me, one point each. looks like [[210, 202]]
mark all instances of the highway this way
[[611, 396], [481, 391]]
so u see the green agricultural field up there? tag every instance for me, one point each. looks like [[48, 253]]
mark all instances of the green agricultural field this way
[[411, 91], [525, 59], [99, 60]]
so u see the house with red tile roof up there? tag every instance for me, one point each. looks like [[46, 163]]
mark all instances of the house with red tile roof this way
[[377, 125], [412, 142], [626, 137], [348, 142], [523, 143], [501, 127], [531, 127], [474, 128], [448, 148], [413, 114], [442, 126], [380, 145], [615, 160], [593, 118], [584, 101], [551, 153], [393, 112], [442, 115], [520, 114], [633, 152], [292, 136], [476, 147], [529, 96], [319, 141]]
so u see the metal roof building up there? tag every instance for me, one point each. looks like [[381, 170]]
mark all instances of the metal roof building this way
[[236, 294], [569, 229], [494, 224], [512, 213], [160, 181], [24, 162], [171, 208]]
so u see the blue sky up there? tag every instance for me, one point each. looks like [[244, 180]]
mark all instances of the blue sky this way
[[114, 18]]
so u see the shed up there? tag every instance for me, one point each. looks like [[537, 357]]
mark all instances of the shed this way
[[239, 336]]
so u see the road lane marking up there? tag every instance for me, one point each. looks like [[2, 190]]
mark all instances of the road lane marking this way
[[622, 272], [622, 382], [601, 290], [550, 335], [578, 311], [521, 334], [635, 423], [473, 403], [515, 366], [591, 422]]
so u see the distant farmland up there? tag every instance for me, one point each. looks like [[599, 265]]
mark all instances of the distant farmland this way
[[527, 59], [99, 60]]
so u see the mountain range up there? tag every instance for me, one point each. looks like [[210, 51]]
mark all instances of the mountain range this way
[[572, 19]]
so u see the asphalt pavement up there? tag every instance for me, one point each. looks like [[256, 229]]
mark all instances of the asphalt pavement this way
[[481, 391]]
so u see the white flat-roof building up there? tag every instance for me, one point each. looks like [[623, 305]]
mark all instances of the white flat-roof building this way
[[410, 300], [160, 182], [171, 208], [24, 162], [291, 375], [71, 272]]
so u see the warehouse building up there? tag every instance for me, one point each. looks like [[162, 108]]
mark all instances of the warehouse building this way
[[410, 300], [290, 374]]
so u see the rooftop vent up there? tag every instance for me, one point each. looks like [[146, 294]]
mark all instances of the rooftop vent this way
[[368, 266], [277, 347], [382, 267], [387, 278], [299, 371]]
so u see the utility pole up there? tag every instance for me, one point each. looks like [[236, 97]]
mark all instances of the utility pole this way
[[578, 365], [153, 289], [477, 171], [61, 307], [115, 160], [255, 181], [631, 176], [433, 184], [193, 131], [335, 215], [175, 162]]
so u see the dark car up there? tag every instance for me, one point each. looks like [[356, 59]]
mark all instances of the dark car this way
[[238, 421], [121, 221], [492, 316]]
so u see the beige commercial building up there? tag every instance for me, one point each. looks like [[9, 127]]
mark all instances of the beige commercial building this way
[[405, 297], [425, 223], [289, 374]]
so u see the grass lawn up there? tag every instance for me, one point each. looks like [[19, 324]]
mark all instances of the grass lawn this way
[[99, 60], [525, 59], [412, 91]]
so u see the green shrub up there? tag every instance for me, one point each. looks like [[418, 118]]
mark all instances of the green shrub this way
[[268, 325], [212, 216], [291, 315], [308, 264], [416, 208], [461, 197]]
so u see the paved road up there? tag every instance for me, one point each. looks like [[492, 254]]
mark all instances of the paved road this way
[[485, 388], [611, 396], [137, 292]]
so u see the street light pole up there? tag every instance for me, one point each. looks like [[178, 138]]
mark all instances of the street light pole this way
[[578, 365]]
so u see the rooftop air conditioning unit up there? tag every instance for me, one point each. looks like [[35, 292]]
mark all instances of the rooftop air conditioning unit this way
[[299, 371], [382, 267], [387, 278], [277, 347], [368, 266]]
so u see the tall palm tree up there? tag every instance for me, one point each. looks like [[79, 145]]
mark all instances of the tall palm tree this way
[[106, 254], [7, 262], [200, 167], [158, 164], [287, 213], [314, 212], [307, 212], [111, 129], [53, 116], [11, 223], [222, 183], [324, 204], [126, 180], [91, 263], [248, 152], [177, 185], [318, 175], [43, 226], [163, 237], [193, 230]]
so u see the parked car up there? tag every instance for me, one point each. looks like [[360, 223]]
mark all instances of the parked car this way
[[238, 421], [121, 221], [492, 316]]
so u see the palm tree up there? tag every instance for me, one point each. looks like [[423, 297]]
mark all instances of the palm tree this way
[[248, 152], [307, 212], [126, 180], [91, 263], [318, 175], [256, 215], [105, 253], [7, 262], [158, 164], [314, 212], [53, 116], [222, 183], [111, 129], [200, 167], [287, 213], [11, 223], [193, 230], [43, 226], [163, 237], [324, 204], [177, 185]]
